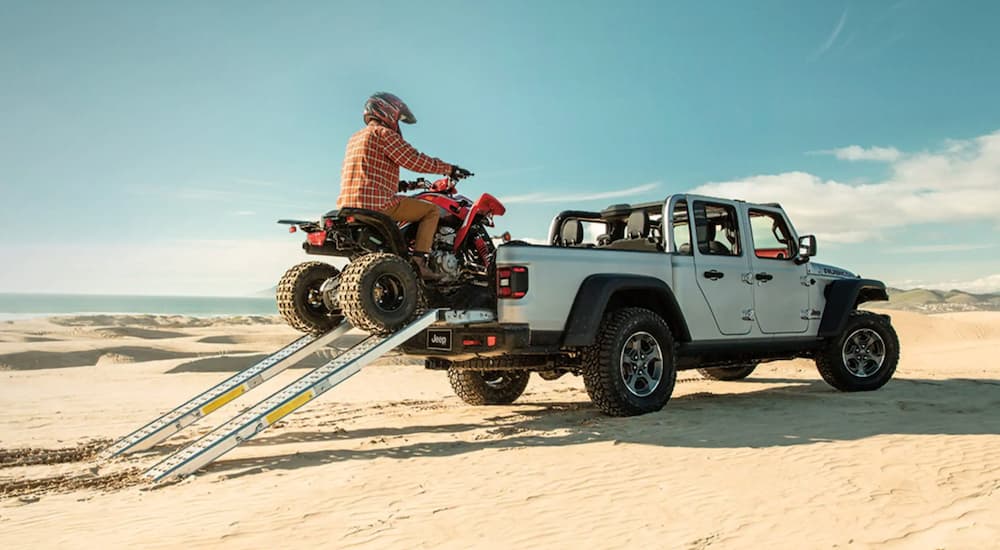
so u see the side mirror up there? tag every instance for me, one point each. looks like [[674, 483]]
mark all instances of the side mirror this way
[[807, 248]]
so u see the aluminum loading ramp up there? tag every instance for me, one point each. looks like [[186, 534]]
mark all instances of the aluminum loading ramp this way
[[228, 390], [280, 404]]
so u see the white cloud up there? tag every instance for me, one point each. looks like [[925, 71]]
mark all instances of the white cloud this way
[[830, 40], [939, 248], [960, 183], [203, 267], [570, 197], [857, 152]]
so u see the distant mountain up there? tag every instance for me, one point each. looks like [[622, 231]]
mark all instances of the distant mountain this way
[[266, 293], [941, 301]]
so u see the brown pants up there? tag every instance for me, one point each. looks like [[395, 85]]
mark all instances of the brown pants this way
[[413, 210]]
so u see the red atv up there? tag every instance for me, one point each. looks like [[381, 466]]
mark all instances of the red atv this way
[[379, 290]]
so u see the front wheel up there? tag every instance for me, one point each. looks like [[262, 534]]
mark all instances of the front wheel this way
[[379, 293], [863, 357], [630, 370], [301, 300]]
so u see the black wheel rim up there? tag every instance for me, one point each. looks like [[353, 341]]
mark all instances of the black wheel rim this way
[[388, 293], [314, 298]]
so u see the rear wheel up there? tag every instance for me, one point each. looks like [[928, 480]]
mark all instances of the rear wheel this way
[[301, 300], [630, 370], [485, 387], [738, 372], [379, 293]]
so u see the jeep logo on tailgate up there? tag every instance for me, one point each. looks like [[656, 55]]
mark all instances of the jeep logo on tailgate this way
[[439, 339]]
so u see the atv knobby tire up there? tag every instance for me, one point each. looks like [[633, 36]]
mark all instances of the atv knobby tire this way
[[738, 372], [300, 302], [379, 293], [834, 360], [604, 376], [485, 387]]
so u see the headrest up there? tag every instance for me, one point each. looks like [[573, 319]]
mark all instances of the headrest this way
[[710, 231], [638, 225], [701, 232], [572, 232]]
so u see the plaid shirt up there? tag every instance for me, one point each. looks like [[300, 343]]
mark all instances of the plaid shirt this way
[[370, 177]]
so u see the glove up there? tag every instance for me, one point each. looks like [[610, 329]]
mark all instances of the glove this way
[[457, 172]]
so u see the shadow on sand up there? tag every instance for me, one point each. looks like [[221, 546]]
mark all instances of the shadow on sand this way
[[797, 412]]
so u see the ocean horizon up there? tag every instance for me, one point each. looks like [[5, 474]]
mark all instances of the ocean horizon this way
[[22, 306]]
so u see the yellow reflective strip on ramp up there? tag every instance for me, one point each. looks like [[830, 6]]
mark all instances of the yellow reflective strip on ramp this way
[[281, 411], [214, 404]]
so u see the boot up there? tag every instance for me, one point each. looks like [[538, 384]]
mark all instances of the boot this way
[[423, 270]]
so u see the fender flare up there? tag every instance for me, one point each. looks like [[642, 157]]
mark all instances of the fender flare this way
[[597, 291], [384, 225], [843, 297]]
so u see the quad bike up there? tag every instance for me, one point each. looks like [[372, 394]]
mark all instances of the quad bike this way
[[379, 291]]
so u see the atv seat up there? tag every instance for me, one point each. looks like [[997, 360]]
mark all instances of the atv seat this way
[[362, 214]]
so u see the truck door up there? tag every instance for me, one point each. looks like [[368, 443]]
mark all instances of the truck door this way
[[721, 265], [781, 299]]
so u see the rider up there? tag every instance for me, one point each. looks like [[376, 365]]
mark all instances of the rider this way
[[370, 176]]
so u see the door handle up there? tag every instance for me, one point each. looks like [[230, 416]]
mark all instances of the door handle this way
[[763, 277], [714, 274]]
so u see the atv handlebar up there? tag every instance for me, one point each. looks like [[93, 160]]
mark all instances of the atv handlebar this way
[[441, 185]]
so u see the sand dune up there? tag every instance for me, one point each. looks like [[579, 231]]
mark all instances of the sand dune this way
[[393, 459]]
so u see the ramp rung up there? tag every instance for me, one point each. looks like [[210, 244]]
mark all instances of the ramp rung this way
[[222, 393], [269, 411]]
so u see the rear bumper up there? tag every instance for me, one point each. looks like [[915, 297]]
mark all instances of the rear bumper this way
[[463, 342]]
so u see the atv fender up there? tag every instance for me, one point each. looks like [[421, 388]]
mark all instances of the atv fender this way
[[599, 292], [381, 223], [843, 297]]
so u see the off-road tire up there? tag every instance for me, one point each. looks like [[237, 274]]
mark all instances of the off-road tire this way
[[485, 387], [738, 372], [293, 298], [602, 363], [834, 370], [357, 296]]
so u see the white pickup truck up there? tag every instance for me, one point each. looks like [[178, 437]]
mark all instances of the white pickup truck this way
[[629, 295]]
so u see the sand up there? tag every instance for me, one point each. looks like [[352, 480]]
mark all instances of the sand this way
[[392, 459]]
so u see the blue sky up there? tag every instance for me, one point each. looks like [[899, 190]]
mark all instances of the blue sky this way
[[149, 146]]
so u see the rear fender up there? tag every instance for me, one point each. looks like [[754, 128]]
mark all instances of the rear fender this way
[[389, 232], [598, 292]]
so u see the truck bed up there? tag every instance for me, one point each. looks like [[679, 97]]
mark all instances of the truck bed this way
[[556, 273]]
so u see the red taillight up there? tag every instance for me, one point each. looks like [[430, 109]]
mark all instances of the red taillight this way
[[350, 219], [471, 342], [317, 238], [329, 223], [512, 282], [292, 229], [491, 341]]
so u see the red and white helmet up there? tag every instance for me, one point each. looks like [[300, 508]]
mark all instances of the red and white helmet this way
[[388, 109]]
